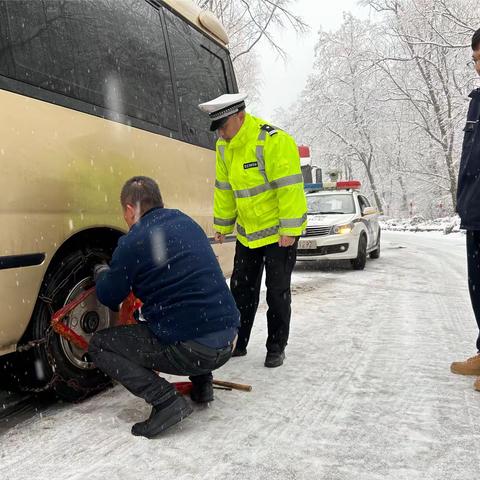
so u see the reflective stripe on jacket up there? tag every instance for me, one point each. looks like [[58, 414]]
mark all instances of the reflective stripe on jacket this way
[[259, 185]]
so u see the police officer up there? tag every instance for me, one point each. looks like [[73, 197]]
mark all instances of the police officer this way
[[258, 187]]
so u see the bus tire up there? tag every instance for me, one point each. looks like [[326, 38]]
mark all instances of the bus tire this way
[[359, 262], [59, 364]]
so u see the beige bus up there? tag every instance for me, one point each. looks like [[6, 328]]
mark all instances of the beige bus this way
[[93, 92]]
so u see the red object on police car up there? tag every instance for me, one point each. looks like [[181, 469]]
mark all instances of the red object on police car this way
[[355, 184], [304, 151]]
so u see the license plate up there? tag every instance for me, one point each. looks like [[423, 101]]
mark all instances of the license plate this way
[[307, 245]]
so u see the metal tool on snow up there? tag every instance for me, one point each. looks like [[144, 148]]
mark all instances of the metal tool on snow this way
[[129, 306]]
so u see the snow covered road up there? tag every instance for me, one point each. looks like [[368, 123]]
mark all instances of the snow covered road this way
[[365, 392]]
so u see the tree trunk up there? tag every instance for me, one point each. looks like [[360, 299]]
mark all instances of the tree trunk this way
[[404, 203], [373, 187], [452, 174]]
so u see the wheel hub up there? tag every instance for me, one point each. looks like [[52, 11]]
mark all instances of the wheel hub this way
[[86, 319], [90, 322]]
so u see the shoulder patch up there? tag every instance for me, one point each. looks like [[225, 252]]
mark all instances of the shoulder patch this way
[[270, 130]]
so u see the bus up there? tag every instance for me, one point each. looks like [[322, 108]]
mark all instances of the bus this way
[[93, 92]]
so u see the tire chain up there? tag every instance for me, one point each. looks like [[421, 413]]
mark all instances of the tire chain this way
[[43, 342]]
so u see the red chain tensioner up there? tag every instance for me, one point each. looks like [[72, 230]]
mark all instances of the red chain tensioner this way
[[129, 306], [125, 317]]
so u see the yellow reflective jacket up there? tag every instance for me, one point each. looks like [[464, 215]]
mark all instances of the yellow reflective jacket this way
[[259, 185]]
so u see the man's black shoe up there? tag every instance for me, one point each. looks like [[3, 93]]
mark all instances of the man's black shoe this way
[[162, 418], [274, 359], [202, 392], [238, 352]]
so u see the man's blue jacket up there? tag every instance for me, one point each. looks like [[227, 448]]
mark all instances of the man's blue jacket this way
[[468, 193], [167, 261]]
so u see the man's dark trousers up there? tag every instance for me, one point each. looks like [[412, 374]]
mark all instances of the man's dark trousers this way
[[473, 263], [245, 285], [131, 354]]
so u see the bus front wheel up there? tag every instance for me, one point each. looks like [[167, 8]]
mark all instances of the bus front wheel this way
[[61, 365]]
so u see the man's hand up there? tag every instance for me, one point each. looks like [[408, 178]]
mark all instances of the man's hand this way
[[98, 270], [286, 241], [219, 237]]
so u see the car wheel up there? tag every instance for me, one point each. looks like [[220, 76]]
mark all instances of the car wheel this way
[[66, 368], [359, 262], [376, 253]]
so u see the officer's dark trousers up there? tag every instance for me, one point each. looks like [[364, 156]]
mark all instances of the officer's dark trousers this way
[[132, 355], [473, 263], [245, 285]]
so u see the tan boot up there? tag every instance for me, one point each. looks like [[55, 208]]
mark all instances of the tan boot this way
[[476, 385], [470, 366]]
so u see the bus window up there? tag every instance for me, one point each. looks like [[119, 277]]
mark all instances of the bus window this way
[[200, 72], [108, 54]]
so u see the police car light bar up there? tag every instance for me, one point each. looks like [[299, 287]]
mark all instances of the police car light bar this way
[[313, 187], [354, 184], [344, 185]]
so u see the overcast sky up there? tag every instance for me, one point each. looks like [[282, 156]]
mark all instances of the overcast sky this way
[[282, 83]]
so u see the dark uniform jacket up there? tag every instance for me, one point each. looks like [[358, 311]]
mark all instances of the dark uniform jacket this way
[[468, 193], [167, 261]]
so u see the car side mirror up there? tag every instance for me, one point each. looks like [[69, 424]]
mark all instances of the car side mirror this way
[[369, 211]]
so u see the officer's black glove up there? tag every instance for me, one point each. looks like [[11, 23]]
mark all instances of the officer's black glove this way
[[98, 270]]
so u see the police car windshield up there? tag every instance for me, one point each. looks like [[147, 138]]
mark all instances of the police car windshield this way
[[330, 204]]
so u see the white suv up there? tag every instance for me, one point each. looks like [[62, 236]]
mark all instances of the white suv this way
[[342, 225]]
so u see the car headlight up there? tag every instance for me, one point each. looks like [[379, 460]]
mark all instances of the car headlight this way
[[343, 229]]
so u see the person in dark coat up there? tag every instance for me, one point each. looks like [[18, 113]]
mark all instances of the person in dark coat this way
[[188, 322], [468, 207]]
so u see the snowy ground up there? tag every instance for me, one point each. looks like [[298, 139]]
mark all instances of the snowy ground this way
[[419, 224], [365, 392]]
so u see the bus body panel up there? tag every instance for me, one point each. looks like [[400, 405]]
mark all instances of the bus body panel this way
[[62, 172]]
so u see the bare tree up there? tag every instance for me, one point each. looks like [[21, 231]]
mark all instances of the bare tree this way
[[249, 24], [339, 104], [390, 95], [424, 59]]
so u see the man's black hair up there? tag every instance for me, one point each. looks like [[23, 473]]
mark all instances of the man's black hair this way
[[476, 40], [141, 191]]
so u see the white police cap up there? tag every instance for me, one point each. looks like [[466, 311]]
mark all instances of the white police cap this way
[[219, 109]]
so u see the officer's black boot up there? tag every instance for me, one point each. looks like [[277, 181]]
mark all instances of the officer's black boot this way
[[274, 359], [163, 416]]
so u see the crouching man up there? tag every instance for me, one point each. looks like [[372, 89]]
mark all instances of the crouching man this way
[[189, 321]]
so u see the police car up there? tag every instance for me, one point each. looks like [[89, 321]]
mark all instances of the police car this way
[[342, 225]]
